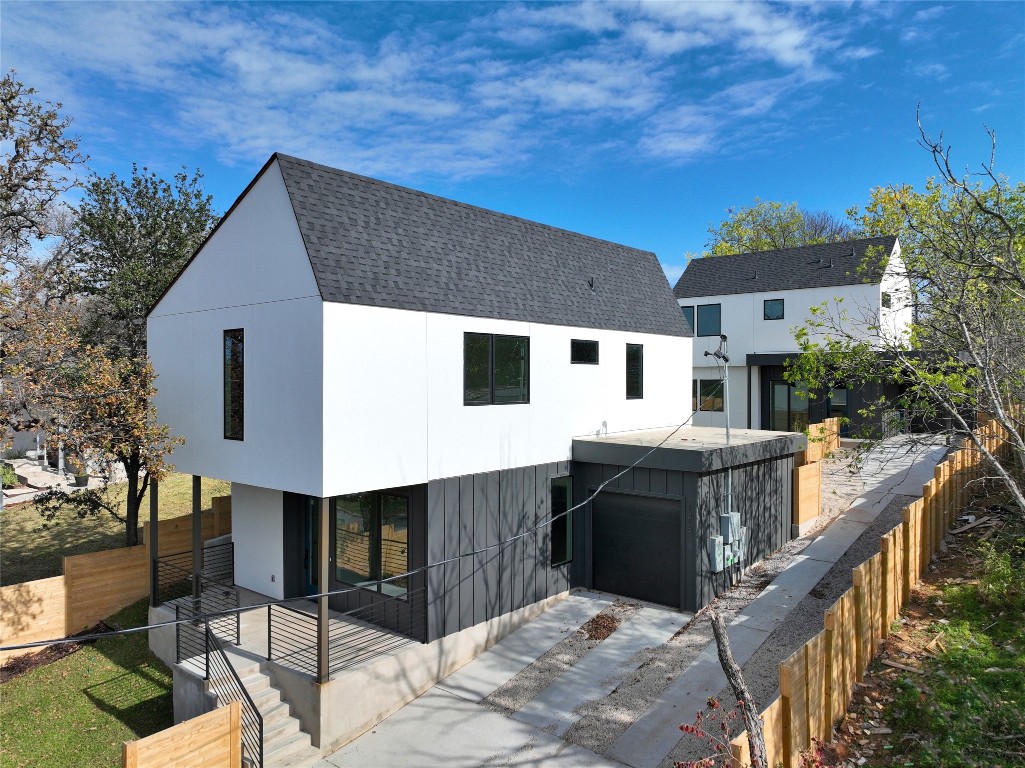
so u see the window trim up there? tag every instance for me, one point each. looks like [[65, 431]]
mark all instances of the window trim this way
[[697, 317], [229, 404], [491, 369], [640, 372], [597, 358], [765, 308]]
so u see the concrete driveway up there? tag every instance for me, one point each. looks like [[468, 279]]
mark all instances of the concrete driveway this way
[[512, 705]]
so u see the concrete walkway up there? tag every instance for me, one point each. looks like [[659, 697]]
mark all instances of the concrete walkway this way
[[452, 725]]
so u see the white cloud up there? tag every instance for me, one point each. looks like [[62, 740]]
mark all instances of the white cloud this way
[[434, 97]]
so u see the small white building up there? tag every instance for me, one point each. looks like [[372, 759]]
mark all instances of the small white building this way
[[758, 299]]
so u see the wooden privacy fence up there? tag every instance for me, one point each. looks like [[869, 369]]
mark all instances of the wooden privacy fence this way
[[823, 439], [94, 585], [213, 740], [817, 681]]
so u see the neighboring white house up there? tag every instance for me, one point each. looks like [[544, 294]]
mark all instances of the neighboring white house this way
[[758, 299]]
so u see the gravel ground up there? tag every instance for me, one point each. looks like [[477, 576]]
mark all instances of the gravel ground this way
[[530, 681], [761, 672]]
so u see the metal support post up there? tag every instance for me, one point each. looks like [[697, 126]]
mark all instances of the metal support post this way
[[197, 539], [154, 546], [323, 575]]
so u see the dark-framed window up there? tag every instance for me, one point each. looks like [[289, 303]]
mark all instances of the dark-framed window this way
[[583, 352], [710, 395], [496, 369], [693, 394], [634, 371], [234, 384], [772, 309], [688, 315], [372, 540], [709, 319], [561, 494], [887, 300]]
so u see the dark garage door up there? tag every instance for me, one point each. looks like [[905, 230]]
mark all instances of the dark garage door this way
[[636, 547]]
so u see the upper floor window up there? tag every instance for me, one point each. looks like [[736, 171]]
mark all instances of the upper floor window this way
[[496, 369], [634, 371], [887, 300], [234, 384], [709, 319], [583, 352], [688, 315], [772, 309]]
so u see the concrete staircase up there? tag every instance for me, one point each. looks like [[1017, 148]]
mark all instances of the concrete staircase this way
[[285, 744]]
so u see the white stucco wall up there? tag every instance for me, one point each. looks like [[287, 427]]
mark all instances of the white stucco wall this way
[[252, 274], [394, 413], [258, 539]]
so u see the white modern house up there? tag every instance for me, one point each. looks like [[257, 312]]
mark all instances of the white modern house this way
[[758, 300], [406, 394]]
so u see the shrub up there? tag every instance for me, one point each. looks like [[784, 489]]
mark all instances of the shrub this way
[[8, 475]]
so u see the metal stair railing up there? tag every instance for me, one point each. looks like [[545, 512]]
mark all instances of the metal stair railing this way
[[224, 681]]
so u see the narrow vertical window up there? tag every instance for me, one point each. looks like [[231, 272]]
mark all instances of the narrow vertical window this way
[[476, 368], [234, 384], [634, 371], [887, 300], [562, 520]]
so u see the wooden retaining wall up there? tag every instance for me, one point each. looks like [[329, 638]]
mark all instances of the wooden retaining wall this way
[[816, 682], [95, 585], [213, 740]]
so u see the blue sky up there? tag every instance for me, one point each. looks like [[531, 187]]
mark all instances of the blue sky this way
[[636, 122]]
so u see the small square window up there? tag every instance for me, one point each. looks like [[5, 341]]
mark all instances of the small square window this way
[[688, 315], [583, 352], [773, 309], [709, 319], [887, 300]]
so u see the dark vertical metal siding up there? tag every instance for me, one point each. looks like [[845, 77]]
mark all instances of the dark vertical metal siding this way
[[470, 513]]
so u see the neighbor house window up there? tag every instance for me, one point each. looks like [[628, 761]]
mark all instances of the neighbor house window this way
[[887, 300], [772, 309], [562, 527], [709, 319], [688, 315], [496, 369], [634, 371], [583, 352], [693, 394], [234, 384], [372, 541], [710, 395]]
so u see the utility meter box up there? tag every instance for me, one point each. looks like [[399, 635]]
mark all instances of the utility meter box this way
[[729, 527], [740, 546], [715, 554]]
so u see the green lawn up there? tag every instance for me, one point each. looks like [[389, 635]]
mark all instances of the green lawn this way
[[78, 710], [28, 552]]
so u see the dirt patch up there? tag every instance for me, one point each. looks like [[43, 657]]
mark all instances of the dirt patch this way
[[19, 665], [601, 626]]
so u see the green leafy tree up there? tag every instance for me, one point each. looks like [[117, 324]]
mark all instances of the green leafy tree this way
[[133, 237], [963, 245], [38, 166], [768, 225]]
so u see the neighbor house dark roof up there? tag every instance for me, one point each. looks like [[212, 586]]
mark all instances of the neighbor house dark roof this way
[[811, 266], [382, 245]]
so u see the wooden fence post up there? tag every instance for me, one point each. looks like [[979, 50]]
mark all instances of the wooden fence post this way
[[793, 690]]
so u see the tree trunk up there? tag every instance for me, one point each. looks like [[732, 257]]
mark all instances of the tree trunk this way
[[753, 723], [133, 501]]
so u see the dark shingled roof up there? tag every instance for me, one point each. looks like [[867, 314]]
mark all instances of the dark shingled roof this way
[[811, 266], [382, 245]]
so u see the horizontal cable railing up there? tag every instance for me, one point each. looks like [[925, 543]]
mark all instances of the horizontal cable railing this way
[[215, 598], [224, 681], [353, 636]]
